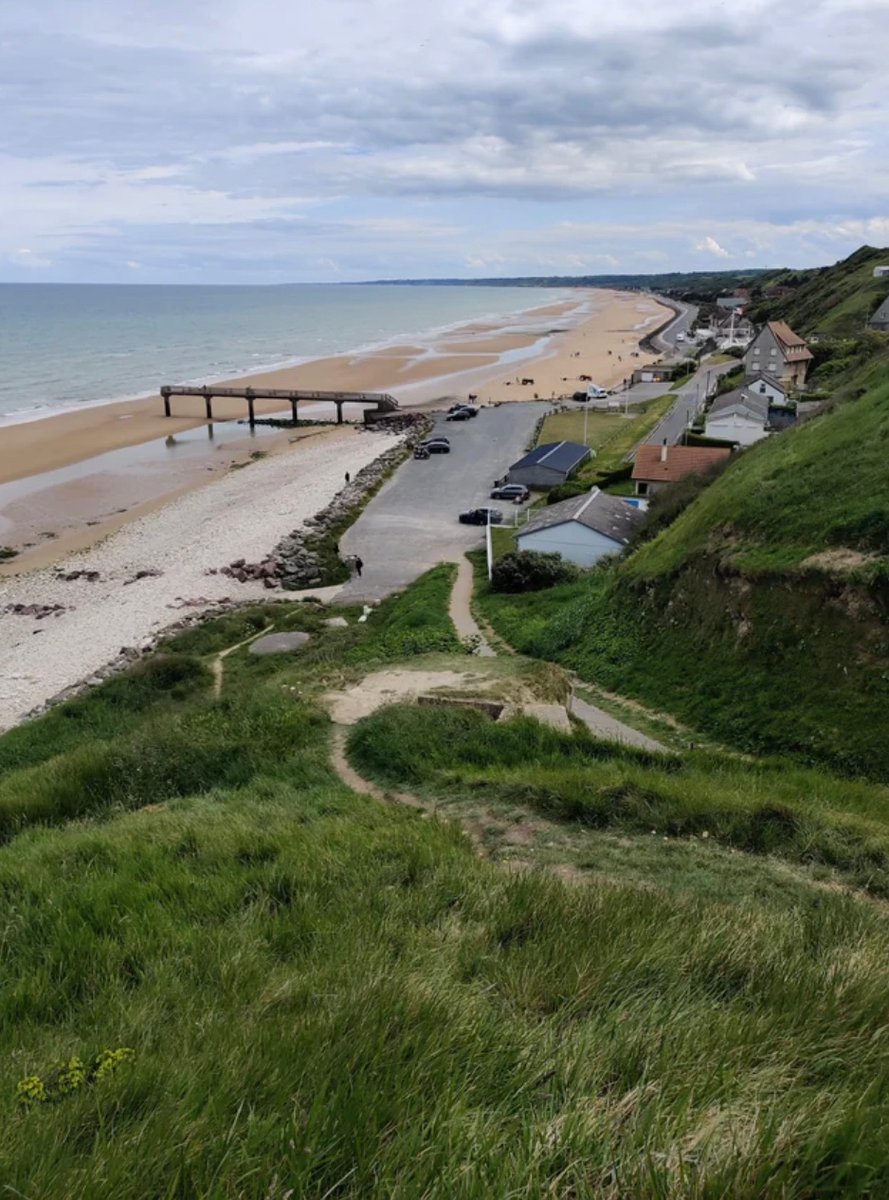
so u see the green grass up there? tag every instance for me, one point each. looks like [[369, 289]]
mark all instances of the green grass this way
[[767, 808], [836, 300], [330, 997], [811, 489], [611, 435]]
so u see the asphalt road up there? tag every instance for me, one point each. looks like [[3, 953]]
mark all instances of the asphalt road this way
[[411, 524], [681, 324], [688, 400]]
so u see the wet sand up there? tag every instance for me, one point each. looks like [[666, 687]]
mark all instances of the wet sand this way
[[68, 497]]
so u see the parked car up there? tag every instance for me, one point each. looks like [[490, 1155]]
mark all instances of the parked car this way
[[437, 445], [581, 397], [517, 492], [470, 408], [459, 414], [481, 516]]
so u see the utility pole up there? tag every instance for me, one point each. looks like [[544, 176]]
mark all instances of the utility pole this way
[[489, 544]]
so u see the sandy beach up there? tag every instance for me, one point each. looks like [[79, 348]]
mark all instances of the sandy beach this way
[[70, 479], [118, 489], [242, 515]]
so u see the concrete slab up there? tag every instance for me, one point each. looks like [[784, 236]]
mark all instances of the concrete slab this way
[[278, 643]]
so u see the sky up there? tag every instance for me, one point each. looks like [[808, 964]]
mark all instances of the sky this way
[[272, 141]]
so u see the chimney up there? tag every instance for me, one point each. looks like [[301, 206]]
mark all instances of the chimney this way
[[664, 451]]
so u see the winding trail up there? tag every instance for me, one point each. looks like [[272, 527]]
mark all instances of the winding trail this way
[[600, 723]]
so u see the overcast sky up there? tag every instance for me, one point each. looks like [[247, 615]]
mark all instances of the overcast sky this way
[[273, 140]]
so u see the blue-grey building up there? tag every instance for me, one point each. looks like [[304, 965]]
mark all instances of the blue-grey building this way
[[549, 465]]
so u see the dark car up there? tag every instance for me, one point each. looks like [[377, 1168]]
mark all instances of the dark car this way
[[459, 414], [481, 516], [517, 492], [436, 445], [580, 396], [469, 408]]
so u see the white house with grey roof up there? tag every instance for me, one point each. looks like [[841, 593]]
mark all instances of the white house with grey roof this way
[[763, 384], [583, 529], [739, 416]]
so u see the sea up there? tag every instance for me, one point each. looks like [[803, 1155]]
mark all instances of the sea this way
[[65, 345]]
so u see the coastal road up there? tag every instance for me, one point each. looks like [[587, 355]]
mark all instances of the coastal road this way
[[689, 399], [666, 339], [411, 524]]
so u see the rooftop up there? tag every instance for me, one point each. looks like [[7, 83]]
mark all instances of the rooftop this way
[[608, 515], [740, 400], [793, 345], [666, 464], [559, 456]]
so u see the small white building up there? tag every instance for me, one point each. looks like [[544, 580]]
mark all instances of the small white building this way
[[739, 417], [766, 385], [583, 529]]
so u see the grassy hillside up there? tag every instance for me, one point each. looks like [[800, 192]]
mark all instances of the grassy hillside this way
[[760, 615], [836, 300], [321, 995]]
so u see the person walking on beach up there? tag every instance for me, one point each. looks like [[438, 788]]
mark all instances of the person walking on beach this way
[[358, 565], [348, 477]]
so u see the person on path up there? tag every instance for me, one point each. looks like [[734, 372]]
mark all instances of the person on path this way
[[358, 565], [348, 477]]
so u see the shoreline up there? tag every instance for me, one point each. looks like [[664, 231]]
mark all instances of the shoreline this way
[[75, 463]]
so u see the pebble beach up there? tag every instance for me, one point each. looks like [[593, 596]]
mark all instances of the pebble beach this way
[[152, 572]]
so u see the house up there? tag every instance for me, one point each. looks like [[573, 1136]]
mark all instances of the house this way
[[881, 272], [663, 372], [548, 465], [778, 351], [582, 529], [879, 322], [731, 302], [657, 466], [767, 385], [738, 416]]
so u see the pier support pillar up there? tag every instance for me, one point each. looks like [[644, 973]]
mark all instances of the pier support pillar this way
[[293, 407], [166, 396], [250, 411], [339, 412], [208, 405]]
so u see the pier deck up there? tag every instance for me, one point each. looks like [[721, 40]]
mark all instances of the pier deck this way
[[381, 401]]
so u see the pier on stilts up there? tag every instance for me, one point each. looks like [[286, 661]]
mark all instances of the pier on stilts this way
[[373, 402]]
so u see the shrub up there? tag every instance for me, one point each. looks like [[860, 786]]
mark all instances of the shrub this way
[[530, 571], [565, 491]]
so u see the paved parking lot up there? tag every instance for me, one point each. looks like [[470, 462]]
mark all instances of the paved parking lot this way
[[411, 524]]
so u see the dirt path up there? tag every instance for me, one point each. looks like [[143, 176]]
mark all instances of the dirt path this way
[[460, 611], [218, 664], [600, 723]]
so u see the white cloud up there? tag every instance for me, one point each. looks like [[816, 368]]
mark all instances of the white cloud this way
[[191, 134], [23, 257], [710, 246]]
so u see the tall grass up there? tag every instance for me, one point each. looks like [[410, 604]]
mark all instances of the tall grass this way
[[804, 816], [327, 997], [331, 998]]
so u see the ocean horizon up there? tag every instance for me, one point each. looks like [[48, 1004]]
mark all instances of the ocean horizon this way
[[66, 345]]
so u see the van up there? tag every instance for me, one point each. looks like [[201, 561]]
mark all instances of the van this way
[[594, 392]]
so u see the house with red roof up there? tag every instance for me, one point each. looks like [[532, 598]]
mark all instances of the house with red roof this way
[[658, 466]]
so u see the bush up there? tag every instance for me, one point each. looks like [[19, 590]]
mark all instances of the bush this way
[[565, 491], [530, 571]]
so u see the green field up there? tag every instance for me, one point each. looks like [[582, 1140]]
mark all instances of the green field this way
[[323, 995]]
